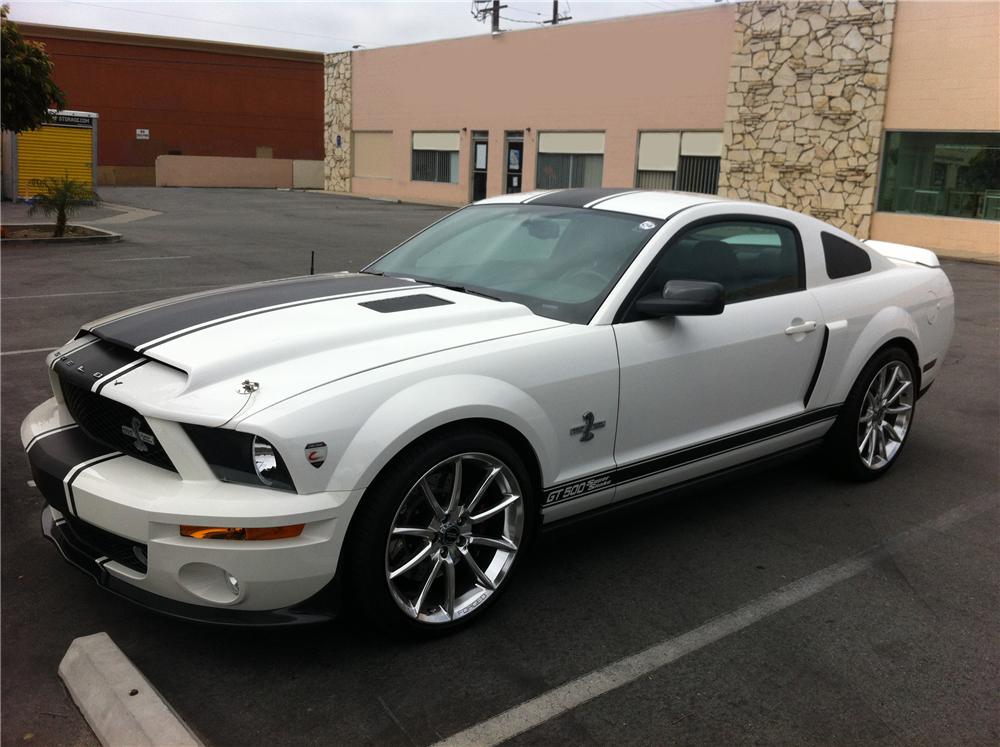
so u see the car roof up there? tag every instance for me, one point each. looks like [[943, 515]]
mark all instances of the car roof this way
[[644, 202]]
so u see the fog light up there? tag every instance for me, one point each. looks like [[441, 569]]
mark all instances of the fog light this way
[[242, 533], [234, 584]]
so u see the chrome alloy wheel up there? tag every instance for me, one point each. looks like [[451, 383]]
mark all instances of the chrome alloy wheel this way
[[886, 411], [454, 538]]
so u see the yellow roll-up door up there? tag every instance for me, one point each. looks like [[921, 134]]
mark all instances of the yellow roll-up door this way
[[54, 151]]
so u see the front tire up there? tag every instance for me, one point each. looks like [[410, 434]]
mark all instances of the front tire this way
[[440, 532], [875, 422]]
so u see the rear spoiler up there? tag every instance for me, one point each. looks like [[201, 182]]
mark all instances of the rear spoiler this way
[[905, 253]]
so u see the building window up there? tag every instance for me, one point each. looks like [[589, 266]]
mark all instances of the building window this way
[[569, 159], [435, 166], [657, 162], [954, 174], [687, 161], [435, 157], [652, 179], [558, 170], [698, 174]]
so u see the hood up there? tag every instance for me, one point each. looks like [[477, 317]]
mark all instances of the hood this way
[[289, 336]]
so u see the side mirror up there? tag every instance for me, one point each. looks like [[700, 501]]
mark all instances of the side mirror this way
[[684, 298]]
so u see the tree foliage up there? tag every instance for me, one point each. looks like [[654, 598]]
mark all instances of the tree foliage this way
[[60, 196], [28, 89]]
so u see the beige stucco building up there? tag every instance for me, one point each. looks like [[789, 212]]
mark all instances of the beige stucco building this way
[[882, 117]]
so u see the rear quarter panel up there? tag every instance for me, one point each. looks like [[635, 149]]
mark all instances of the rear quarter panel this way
[[864, 312]]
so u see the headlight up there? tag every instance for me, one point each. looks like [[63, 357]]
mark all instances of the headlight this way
[[265, 460], [241, 457]]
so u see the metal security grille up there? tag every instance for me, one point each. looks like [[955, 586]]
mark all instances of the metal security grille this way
[[654, 179], [52, 151], [698, 174], [103, 419]]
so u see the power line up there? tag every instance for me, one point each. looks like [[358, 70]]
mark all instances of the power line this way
[[206, 20], [519, 20]]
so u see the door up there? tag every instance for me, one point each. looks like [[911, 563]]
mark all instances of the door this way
[[514, 162], [480, 159], [701, 393]]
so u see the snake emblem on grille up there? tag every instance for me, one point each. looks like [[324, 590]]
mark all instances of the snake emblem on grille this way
[[140, 439]]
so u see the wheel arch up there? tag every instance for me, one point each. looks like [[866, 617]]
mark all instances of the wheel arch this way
[[892, 326], [439, 404]]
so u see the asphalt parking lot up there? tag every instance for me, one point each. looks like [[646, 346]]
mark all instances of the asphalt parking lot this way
[[899, 647]]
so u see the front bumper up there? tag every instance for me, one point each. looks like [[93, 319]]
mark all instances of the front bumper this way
[[118, 518], [79, 552]]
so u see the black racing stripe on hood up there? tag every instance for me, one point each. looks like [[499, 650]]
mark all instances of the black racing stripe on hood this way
[[577, 198], [139, 329], [91, 364]]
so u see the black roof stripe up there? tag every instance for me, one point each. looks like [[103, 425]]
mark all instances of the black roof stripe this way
[[578, 198]]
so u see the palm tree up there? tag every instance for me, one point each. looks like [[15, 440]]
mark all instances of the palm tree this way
[[62, 197]]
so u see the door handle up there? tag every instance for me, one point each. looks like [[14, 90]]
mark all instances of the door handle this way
[[798, 329]]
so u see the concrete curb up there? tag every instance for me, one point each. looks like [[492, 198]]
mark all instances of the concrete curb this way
[[100, 237], [121, 705]]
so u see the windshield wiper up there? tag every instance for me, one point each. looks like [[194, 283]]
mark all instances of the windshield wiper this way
[[460, 289], [414, 278]]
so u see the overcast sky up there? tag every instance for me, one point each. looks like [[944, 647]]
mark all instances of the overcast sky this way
[[324, 26]]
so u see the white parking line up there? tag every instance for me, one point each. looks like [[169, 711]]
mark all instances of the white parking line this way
[[29, 350], [108, 292], [144, 259], [559, 700]]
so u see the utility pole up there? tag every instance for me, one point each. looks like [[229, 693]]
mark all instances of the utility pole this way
[[483, 9], [555, 14], [496, 17]]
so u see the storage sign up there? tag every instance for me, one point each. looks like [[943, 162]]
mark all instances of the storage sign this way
[[71, 120]]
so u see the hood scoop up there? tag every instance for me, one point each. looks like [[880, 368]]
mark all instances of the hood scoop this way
[[405, 303]]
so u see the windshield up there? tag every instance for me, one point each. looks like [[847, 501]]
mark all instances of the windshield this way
[[559, 262]]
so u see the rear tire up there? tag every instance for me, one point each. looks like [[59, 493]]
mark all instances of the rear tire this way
[[876, 418], [425, 558]]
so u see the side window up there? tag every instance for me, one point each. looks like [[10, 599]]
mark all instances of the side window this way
[[843, 258], [749, 258]]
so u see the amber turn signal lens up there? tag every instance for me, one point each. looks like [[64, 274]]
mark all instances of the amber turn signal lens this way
[[241, 533]]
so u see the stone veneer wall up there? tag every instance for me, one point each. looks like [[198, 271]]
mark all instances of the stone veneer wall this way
[[337, 121], [805, 106]]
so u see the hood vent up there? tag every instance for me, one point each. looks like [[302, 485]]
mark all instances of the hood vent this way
[[404, 303]]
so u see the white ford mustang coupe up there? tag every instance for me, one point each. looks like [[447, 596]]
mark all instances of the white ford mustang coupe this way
[[391, 440]]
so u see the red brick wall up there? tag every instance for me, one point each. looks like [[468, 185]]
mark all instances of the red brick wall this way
[[199, 103]]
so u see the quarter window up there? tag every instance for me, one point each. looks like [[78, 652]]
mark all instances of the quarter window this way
[[750, 259], [843, 258]]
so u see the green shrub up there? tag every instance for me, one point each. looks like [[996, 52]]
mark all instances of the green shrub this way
[[61, 196]]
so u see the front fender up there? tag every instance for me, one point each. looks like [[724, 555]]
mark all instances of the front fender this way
[[436, 402]]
